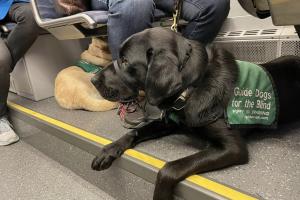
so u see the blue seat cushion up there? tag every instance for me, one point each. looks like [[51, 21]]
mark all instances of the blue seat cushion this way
[[46, 9], [99, 16]]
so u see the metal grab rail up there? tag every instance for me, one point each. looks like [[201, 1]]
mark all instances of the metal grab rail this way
[[76, 26]]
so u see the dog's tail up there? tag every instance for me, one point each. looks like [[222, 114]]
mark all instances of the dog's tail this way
[[97, 105]]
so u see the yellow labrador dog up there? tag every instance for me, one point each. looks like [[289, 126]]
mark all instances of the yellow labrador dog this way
[[73, 88]]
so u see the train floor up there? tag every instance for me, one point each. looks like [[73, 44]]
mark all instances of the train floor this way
[[273, 171], [28, 174]]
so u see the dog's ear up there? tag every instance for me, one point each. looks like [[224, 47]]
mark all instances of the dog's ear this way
[[163, 78], [184, 49], [172, 68], [193, 61]]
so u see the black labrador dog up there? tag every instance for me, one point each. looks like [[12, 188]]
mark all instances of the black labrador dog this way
[[164, 64]]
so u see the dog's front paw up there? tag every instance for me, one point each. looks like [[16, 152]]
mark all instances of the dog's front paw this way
[[106, 157], [165, 183], [163, 194]]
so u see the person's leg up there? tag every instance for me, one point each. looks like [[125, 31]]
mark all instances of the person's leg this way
[[7, 135], [5, 63], [18, 42], [24, 34], [205, 17], [126, 18]]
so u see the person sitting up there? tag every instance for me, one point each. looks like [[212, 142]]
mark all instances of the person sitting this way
[[11, 50]]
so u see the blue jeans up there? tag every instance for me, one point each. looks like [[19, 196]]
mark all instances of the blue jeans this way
[[127, 17]]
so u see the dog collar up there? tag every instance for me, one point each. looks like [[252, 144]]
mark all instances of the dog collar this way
[[180, 102], [174, 114], [89, 67]]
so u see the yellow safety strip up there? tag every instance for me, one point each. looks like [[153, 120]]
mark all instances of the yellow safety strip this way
[[215, 187]]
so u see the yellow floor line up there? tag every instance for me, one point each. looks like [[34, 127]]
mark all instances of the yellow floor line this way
[[196, 179]]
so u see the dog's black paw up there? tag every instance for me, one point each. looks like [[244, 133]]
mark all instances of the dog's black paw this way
[[102, 162], [106, 157], [166, 181], [163, 194]]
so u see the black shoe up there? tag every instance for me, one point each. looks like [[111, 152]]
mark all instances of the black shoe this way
[[136, 114]]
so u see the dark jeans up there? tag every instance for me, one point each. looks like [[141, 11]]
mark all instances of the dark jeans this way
[[205, 17], [127, 17], [16, 45]]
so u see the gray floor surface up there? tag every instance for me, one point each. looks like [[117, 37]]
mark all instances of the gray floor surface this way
[[118, 183], [27, 174], [273, 171]]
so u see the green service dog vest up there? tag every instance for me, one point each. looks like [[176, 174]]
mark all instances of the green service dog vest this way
[[88, 67], [254, 102]]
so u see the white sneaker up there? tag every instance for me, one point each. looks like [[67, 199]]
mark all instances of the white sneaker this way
[[7, 134]]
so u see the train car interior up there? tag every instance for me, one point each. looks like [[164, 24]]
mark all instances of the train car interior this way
[[53, 158]]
